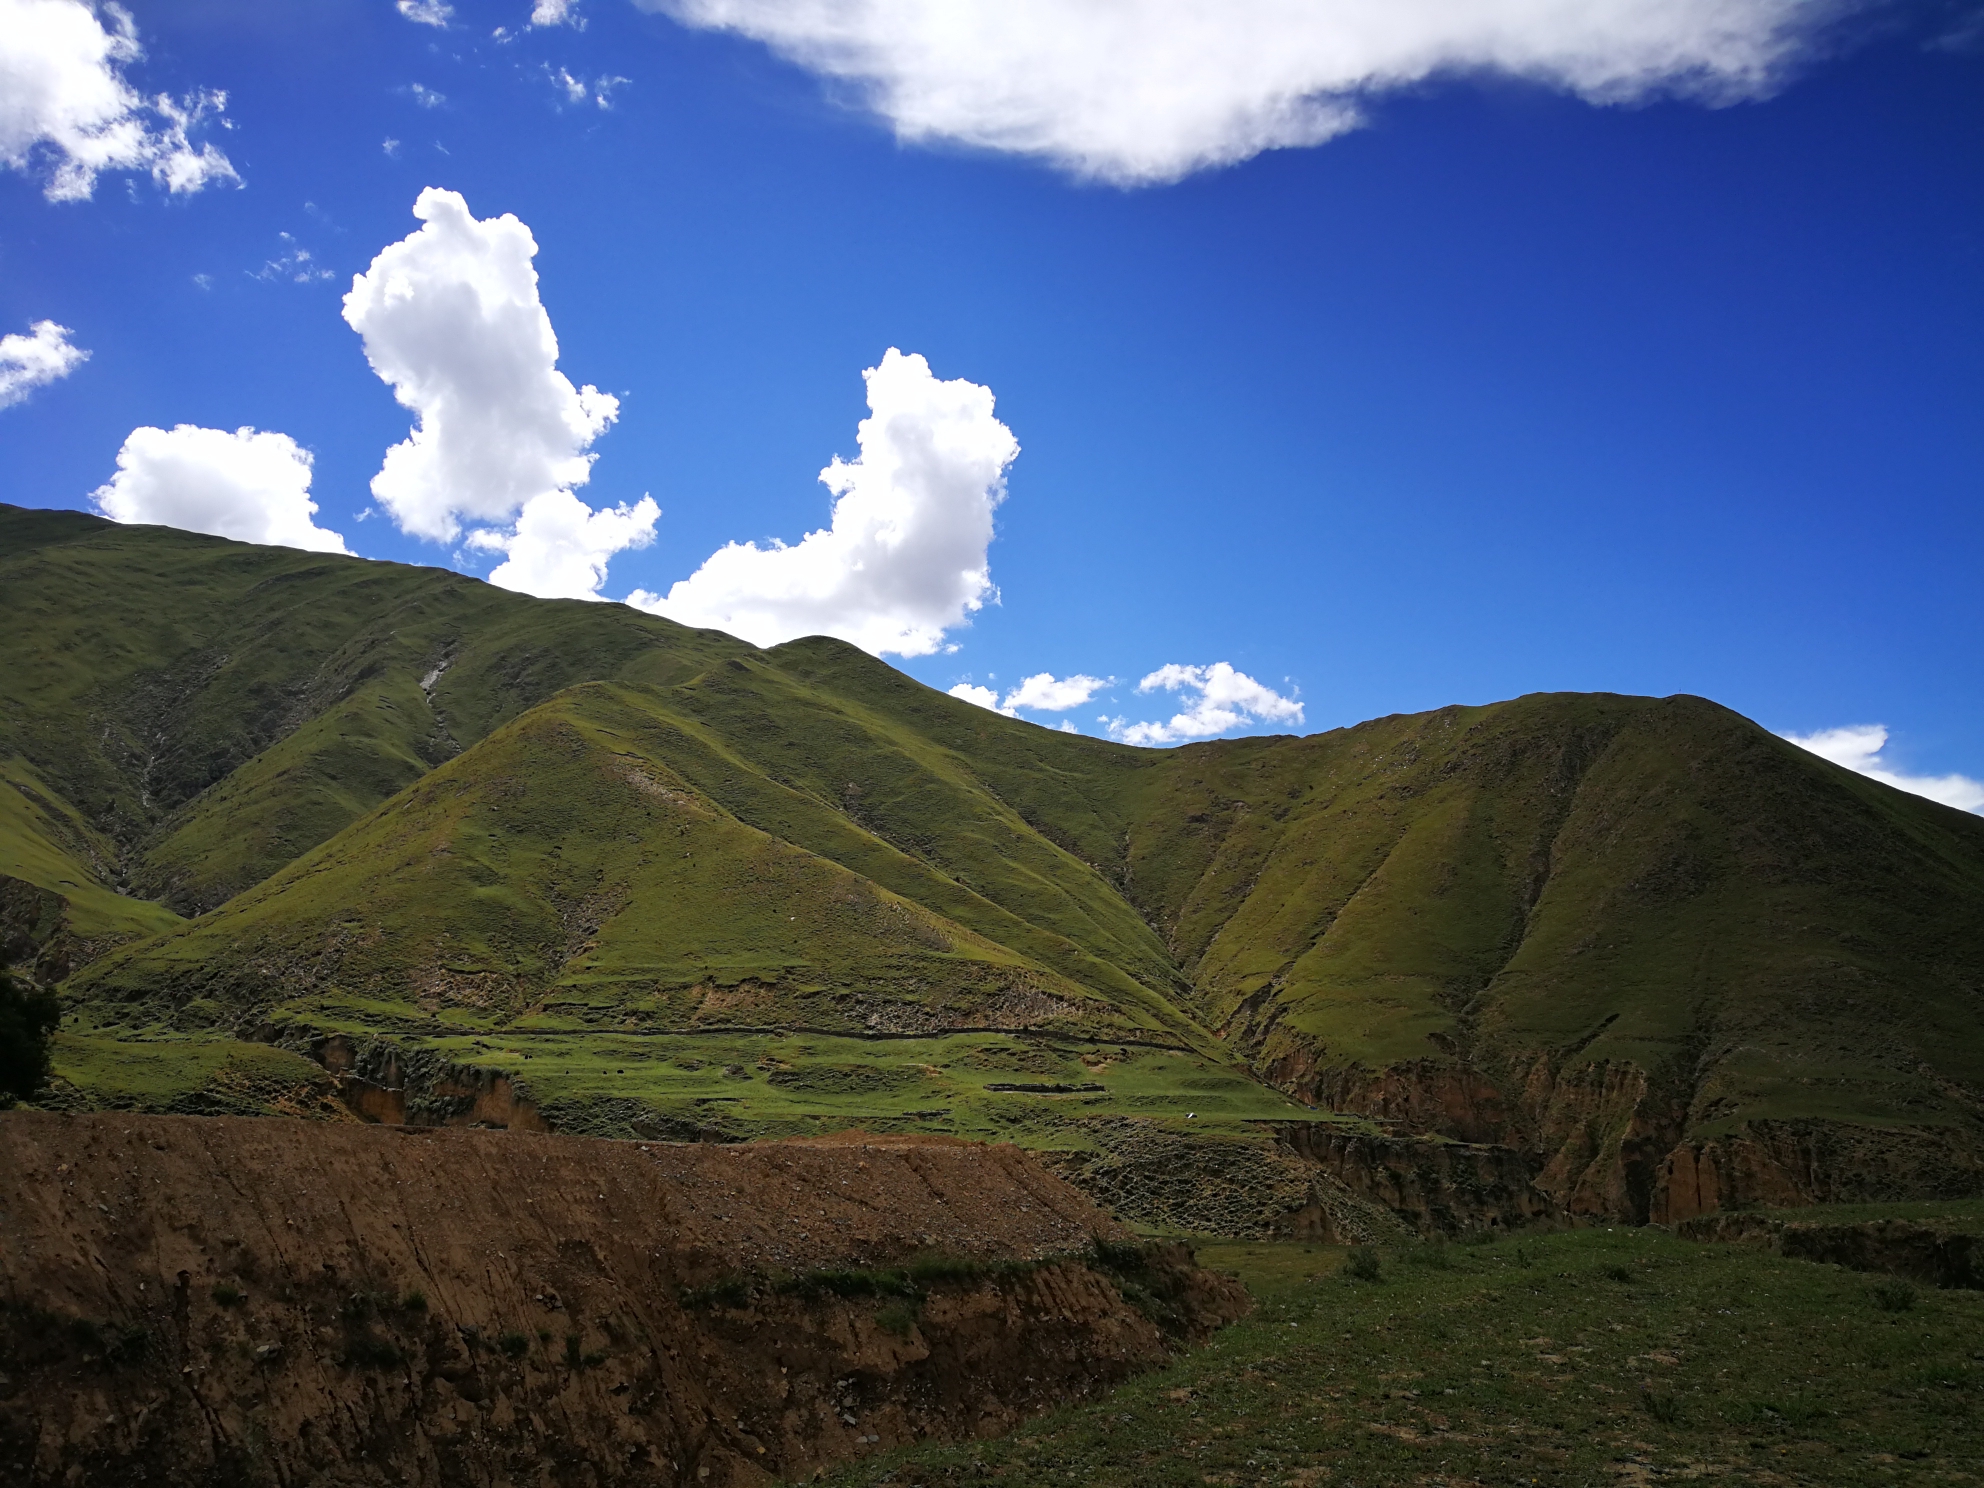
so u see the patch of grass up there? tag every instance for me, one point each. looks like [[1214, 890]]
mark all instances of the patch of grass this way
[[514, 1345], [1430, 1253], [414, 1301], [897, 1317], [226, 1295], [1734, 1365], [1662, 1406], [1893, 1296]]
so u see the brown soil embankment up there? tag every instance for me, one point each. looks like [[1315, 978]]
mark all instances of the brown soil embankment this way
[[204, 1300], [1933, 1253]]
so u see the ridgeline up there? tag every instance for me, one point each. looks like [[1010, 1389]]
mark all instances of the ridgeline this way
[[313, 835]]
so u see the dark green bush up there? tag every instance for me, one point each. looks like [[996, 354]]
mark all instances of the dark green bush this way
[[28, 1019], [513, 1344], [228, 1296], [1363, 1264]]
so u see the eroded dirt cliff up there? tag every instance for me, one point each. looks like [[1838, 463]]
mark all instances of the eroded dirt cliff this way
[[204, 1300]]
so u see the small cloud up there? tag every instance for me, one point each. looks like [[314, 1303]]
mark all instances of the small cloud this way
[[1220, 700], [1041, 693], [1068, 728], [296, 266], [426, 97], [427, 12], [392, 149], [577, 90], [984, 697], [42, 356], [205, 281], [1045, 693], [1861, 747], [557, 13]]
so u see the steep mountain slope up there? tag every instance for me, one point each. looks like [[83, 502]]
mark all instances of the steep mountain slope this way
[[484, 857], [207, 710], [1589, 926]]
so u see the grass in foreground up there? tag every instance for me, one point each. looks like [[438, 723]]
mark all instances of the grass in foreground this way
[[1587, 1357]]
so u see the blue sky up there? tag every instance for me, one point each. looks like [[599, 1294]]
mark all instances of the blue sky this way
[[1504, 390]]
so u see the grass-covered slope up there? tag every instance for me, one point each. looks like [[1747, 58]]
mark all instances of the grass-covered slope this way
[[565, 871], [1675, 959], [211, 709]]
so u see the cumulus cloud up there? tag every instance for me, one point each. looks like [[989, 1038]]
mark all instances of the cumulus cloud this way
[[427, 12], [1153, 90], [1859, 747], [556, 13], [251, 486], [451, 320], [65, 105], [560, 547], [1218, 699], [35, 360], [1043, 692], [903, 559]]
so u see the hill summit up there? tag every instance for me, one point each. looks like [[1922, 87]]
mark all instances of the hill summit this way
[[310, 834]]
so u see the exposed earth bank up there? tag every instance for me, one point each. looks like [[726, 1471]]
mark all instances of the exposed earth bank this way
[[198, 1300]]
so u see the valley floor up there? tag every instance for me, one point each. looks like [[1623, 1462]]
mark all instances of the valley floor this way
[[1586, 1357]]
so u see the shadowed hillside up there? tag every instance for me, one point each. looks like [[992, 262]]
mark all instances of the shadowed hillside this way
[[454, 854]]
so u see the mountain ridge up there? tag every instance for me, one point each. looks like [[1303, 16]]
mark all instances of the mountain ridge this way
[[1632, 940]]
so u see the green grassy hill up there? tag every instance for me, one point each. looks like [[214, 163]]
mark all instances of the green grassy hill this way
[[664, 881]]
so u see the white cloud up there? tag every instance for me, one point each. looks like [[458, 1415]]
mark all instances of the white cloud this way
[[561, 546], [392, 148], [577, 90], [451, 319], [65, 104], [556, 13], [904, 557], [427, 12], [1153, 90], [1859, 747], [297, 266], [984, 697], [35, 360], [253, 487], [1225, 700], [426, 97], [1045, 693]]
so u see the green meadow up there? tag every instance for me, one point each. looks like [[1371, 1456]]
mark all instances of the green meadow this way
[[1583, 1357]]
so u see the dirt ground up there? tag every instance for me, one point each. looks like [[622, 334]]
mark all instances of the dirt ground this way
[[206, 1300]]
